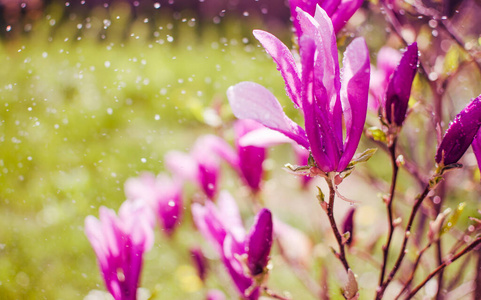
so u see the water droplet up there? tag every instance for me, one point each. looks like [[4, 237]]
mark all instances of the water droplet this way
[[171, 203], [156, 5], [8, 28], [143, 160]]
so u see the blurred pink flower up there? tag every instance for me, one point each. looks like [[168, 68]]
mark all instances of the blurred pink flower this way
[[119, 244], [202, 164], [222, 226], [162, 194]]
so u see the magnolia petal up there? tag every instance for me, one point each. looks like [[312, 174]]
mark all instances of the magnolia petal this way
[[344, 12], [182, 165], [326, 69], [206, 219], [319, 143], [285, 63], [460, 133], [354, 96], [230, 215], [399, 88], [264, 137], [232, 249], [251, 158], [141, 187], [330, 6], [217, 145], [308, 6], [250, 100], [477, 148]]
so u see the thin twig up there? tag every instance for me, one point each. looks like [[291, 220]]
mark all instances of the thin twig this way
[[385, 248], [403, 251], [330, 214], [415, 266], [444, 265], [273, 294]]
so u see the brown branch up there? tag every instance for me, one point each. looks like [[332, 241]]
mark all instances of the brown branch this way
[[273, 294], [330, 214], [415, 266], [444, 265], [407, 233], [385, 248]]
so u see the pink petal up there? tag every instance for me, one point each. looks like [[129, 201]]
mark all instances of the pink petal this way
[[344, 12], [250, 100], [285, 63], [182, 165], [264, 137], [354, 96]]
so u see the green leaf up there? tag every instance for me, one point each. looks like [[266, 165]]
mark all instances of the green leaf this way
[[363, 157], [377, 134], [453, 219], [320, 195]]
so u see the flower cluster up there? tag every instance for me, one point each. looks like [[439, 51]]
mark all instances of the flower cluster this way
[[245, 256]]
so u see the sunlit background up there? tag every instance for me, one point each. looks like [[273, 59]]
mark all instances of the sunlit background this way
[[93, 92]]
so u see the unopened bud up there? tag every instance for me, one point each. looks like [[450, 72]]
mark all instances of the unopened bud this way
[[397, 221]]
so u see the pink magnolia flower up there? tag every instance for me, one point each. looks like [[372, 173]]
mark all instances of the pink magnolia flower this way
[[119, 243], [222, 226], [326, 99], [162, 194], [202, 164], [340, 11]]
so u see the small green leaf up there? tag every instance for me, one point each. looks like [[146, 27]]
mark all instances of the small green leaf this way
[[320, 195], [433, 182], [363, 157], [311, 162], [295, 168], [453, 219], [377, 134]]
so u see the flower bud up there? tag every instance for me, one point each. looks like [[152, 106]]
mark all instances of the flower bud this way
[[259, 243], [200, 262], [348, 225], [460, 134], [399, 88]]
